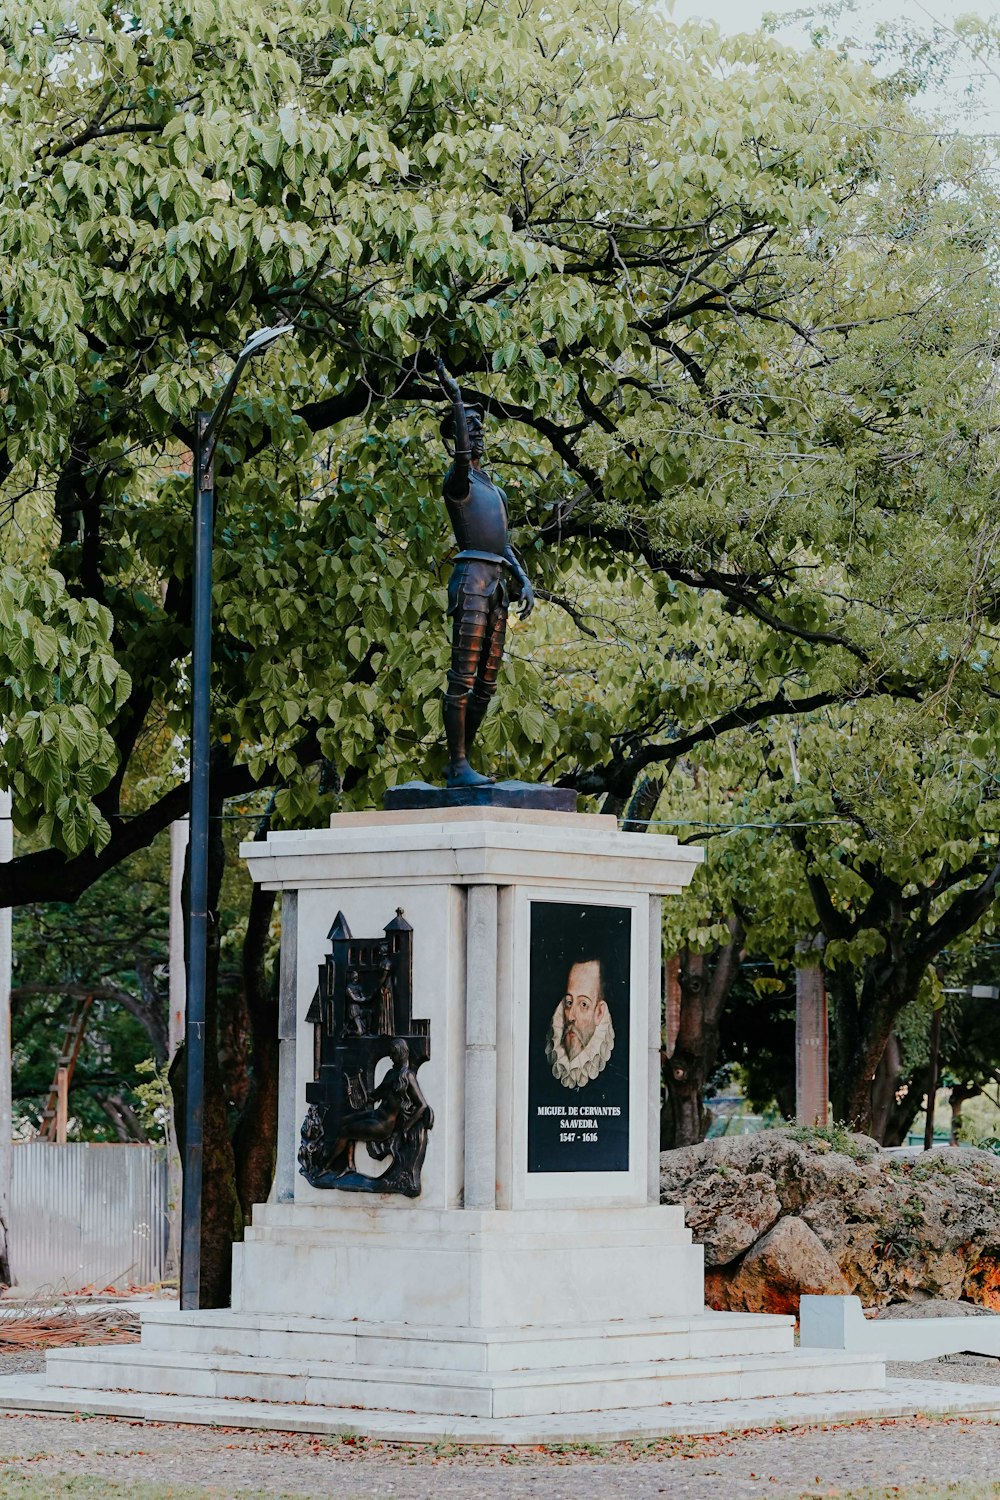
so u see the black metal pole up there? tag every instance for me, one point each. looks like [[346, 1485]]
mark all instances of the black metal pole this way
[[206, 435], [197, 953]]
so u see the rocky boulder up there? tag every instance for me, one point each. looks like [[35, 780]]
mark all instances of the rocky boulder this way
[[789, 1211], [774, 1273], [930, 1307]]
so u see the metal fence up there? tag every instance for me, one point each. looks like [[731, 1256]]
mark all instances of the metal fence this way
[[88, 1216]]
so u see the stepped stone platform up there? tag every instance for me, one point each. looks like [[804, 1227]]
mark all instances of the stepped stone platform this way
[[481, 1316], [379, 1379], [481, 1326], [704, 1373]]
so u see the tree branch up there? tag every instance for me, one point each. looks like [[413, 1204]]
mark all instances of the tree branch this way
[[964, 911], [50, 875]]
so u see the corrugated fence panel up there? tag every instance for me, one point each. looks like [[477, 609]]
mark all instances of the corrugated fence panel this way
[[88, 1215]]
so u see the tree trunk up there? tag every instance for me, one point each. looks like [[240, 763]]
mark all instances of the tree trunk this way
[[906, 1105], [128, 1126], [642, 805], [884, 1086], [706, 981], [256, 1139], [864, 1015], [957, 1098], [221, 1218], [857, 1113], [845, 1041]]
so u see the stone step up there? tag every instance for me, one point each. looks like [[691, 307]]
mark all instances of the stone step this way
[[664, 1220], [899, 1398], [85, 1372], [303, 1234], [305, 1340]]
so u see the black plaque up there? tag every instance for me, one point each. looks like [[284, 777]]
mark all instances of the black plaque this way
[[578, 1037]]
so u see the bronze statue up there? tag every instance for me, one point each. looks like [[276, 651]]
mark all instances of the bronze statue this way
[[356, 1006], [478, 592], [365, 992], [396, 1108], [392, 1123], [385, 994]]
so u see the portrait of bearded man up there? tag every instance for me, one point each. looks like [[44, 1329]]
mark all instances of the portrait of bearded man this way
[[582, 1036]]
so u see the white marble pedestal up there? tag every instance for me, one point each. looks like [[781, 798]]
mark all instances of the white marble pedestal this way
[[536, 1288]]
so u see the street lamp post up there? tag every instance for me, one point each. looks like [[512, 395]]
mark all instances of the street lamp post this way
[[207, 426]]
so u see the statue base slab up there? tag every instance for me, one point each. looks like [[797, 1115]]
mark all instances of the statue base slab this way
[[531, 796]]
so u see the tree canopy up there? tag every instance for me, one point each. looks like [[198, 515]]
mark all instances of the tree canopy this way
[[731, 308], [728, 312]]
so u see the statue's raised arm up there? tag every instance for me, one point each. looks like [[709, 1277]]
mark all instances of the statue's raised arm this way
[[457, 484]]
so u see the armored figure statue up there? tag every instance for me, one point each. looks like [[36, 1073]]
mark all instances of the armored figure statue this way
[[479, 590], [356, 1006]]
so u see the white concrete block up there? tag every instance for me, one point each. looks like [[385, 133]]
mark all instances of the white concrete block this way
[[138, 1373], [473, 846], [525, 1227], [302, 1341], [439, 1398], [470, 1284], [411, 1354], [244, 1385], [255, 1338], [840, 1323]]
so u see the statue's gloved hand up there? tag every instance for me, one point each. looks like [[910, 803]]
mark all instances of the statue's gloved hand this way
[[448, 380], [526, 595]]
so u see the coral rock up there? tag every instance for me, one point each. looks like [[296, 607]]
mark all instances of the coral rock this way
[[772, 1276], [894, 1228]]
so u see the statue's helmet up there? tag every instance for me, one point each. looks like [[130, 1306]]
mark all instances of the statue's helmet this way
[[474, 417]]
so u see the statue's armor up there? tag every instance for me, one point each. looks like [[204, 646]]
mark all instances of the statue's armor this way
[[477, 592], [479, 517]]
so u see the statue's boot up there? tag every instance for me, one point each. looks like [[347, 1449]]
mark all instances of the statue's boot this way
[[478, 708], [458, 771]]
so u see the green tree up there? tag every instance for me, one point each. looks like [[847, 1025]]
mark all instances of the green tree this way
[[872, 836], [109, 947], [635, 274], [713, 290]]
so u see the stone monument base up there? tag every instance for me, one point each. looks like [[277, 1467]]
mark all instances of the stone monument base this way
[[532, 1288], [480, 1316], [478, 1326], [491, 1327]]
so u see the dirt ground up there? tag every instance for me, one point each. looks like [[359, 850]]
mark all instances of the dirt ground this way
[[53, 1456], [225, 1463]]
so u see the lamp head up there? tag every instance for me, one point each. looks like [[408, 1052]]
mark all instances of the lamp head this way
[[263, 338]]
